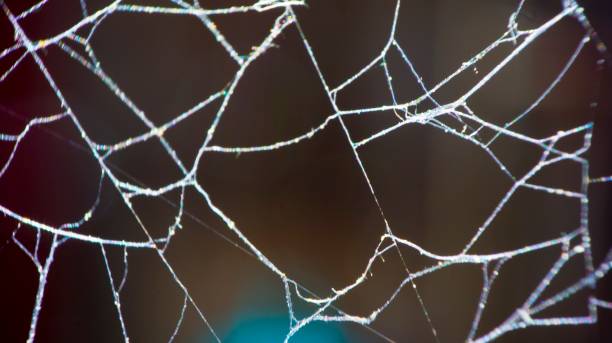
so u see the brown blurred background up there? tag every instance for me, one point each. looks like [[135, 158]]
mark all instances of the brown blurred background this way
[[307, 206]]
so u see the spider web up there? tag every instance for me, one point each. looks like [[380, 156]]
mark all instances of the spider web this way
[[456, 118]]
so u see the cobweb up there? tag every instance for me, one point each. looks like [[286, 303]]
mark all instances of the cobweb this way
[[456, 118]]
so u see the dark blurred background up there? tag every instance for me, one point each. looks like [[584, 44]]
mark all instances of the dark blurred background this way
[[307, 206]]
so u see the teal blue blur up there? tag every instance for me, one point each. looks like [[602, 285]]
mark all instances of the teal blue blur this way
[[272, 329]]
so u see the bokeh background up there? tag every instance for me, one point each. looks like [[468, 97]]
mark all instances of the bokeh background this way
[[307, 206]]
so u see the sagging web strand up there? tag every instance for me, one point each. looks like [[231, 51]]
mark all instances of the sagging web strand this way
[[465, 124]]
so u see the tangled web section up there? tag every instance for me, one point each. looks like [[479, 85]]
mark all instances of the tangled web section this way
[[455, 118]]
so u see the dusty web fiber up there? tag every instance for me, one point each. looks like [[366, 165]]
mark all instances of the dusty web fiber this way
[[40, 240]]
